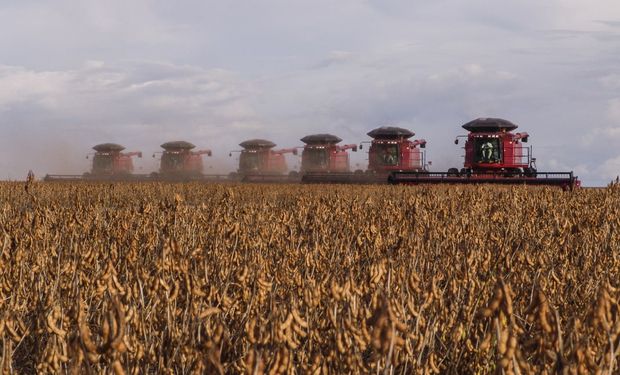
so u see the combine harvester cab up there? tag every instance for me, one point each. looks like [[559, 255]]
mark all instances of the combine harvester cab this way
[[109, 164], [493, 155], [258, 162], [179, 163]]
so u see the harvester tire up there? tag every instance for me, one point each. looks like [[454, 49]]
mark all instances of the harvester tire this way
[[510, 173], [529, 172], [453, 172]]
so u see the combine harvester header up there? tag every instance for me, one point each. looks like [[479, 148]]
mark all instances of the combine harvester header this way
[[493, 155]]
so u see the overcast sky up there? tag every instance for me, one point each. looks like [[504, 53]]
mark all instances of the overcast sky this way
[[74, 73]]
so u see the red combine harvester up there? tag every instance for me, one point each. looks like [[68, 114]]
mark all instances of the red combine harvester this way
[[180, 163], [493, 155], [259, 163], [390, 150], [322, 154], [324, 161], [109, 164]]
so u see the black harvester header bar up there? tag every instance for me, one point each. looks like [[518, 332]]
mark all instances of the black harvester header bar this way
[[344, 178], [566, 180]]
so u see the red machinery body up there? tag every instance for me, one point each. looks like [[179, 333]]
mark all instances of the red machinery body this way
[[496, 150], [390, 150], [109, 163], [493, 154], [322, 154], [179, 162], [258, 162]]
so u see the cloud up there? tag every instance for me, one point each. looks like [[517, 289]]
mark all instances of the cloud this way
[[610, 81], [610, 169], [610, 23], [614, 110], [154, 90], [18, 85], [471, 75], [335, 57]]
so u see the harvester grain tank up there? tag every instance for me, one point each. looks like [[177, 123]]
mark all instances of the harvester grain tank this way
[[109, 163], [179, 163], [258, 162], [494, 154]]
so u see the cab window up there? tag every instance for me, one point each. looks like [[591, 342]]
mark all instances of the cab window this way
[[172, 161], [387, 154], [248, 161], [487, 150], [317, 157], [103, 162]]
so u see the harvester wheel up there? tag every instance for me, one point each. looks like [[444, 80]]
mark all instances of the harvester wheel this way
[[529, 172], [453, 172], [465, 172], [359, 172], [512, 172], [293, 174]]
